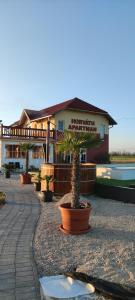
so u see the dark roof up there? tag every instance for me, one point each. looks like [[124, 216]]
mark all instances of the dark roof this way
[[31, 113], [72, 104], [15, 124]]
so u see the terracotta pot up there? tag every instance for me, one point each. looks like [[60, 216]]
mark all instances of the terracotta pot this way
[[74, 221], [25, 178], [37, 186]]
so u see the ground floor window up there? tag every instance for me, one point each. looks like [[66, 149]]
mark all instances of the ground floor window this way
[[83, 156], [37, 152], [13, 151], [67, 158]]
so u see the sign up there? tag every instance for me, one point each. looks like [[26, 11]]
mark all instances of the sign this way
[[82, 125]]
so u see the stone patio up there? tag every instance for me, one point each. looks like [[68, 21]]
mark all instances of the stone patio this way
[[18, 219]]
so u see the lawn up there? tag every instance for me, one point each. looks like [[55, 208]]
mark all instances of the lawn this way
[[115, 182], [122, 159]]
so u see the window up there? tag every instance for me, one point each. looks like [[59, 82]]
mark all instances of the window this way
[[67, 158], [13, 151], [37, 152], [61, 125], [102, 131], [83, 155]]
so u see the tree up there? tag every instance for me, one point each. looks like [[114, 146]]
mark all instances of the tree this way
[[26, 147], [72, 142]]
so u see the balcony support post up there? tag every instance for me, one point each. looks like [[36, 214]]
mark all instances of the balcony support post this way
[[47, 141]]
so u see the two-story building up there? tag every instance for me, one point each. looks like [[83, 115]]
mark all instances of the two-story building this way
[[43, 128]]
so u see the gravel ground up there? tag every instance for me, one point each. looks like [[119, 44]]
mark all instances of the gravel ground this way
[[107, 251]]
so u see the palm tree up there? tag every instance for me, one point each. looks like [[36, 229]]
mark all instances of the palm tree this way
[[72, 142], [26, 147]]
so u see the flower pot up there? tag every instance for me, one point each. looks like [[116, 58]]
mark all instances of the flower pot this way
[[47, 196], [37, 186], [25, 178], [74, 221]]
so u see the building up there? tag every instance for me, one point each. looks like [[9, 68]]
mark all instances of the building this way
[[43, 128]]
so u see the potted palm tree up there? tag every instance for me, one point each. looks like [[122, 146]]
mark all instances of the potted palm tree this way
[[75, 215], [25, 178]]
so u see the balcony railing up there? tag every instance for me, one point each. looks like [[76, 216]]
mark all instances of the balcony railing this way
[[19, 132]]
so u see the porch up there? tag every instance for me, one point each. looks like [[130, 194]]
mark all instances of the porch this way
[[11, 138]]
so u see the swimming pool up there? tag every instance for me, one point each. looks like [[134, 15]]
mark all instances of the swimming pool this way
[[116, 171]]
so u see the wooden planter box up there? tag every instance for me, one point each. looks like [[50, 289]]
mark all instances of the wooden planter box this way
[[62, 178], [119, 193]]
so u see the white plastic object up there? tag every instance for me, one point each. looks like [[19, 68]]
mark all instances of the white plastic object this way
[[61, 287]]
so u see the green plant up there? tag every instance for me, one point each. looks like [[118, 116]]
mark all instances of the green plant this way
[[6, 167], [72, 142], [115, 182], [26, 147], [37, 177], [48, 179], [2, 197], [6, 170]]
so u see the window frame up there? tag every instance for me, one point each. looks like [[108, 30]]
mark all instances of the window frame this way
[[14, 151], [63, 126], [102, 128], [37, 152]]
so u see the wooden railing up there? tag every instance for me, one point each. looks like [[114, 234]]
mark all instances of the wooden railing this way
[[19, 132]]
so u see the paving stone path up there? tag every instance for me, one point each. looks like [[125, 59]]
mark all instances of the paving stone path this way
[[18, 218]]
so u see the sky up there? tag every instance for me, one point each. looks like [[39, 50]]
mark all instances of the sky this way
[[55, 50]]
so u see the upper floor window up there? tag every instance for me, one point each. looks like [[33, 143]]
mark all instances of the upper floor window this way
[[102, 131], [61, 125]]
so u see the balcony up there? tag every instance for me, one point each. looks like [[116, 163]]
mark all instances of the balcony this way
[[29, 133], [26, 133]]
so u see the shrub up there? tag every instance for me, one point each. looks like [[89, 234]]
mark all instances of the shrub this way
[[2, 198]]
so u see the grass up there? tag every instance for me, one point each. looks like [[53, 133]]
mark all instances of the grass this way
[[115, 182], [122, 159]]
